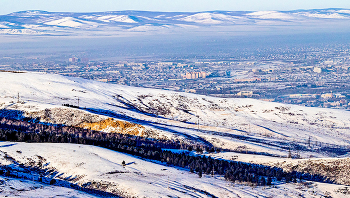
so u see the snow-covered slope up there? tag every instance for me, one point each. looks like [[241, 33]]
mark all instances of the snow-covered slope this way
[[53, 23], [69, 22], [102, 169], [241, 125], [209, 18], [110, 18], [11, 187], [244, 125], [271, 15]]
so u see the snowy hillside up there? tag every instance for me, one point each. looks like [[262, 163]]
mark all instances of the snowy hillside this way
[[11, 187], [103, 169], [58, 23], [242, 125], [247, 130]]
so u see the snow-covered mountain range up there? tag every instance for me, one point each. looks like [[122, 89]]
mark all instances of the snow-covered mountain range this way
[[64, 23]]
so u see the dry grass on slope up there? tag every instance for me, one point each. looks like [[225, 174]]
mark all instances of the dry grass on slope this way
[[115, 126], [338, 170], [79, 118]]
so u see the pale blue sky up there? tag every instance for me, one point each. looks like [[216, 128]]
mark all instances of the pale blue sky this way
[[8, 6]]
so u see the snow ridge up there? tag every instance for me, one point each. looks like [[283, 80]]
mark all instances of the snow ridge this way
[[236, 124], [53, 22]]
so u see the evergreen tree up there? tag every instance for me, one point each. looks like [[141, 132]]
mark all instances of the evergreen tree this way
[[269, 181], [200, 174]]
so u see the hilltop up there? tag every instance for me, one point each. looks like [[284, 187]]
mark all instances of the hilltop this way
[[36, 22], [233, 124]]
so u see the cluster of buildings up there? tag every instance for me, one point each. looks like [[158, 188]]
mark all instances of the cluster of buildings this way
[[327, 100], [195, 75], [295, 82], [248, 80], [77, 60]]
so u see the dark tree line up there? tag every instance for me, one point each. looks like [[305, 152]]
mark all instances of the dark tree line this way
[[21, 131], [33, 126]]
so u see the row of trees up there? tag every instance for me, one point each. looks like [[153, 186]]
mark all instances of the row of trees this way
[[153, 150], [75, 134]]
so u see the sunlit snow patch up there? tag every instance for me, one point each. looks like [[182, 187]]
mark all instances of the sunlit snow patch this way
[[324, 16], [270, 15]]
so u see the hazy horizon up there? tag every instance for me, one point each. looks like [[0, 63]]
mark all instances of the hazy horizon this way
[[167, 46]]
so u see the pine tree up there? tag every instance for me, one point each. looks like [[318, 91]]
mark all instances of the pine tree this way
[[200, 174], [269, 181], [263, 181], [289, 153]]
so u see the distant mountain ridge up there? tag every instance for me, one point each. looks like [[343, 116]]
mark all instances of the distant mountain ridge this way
[[68, 23]]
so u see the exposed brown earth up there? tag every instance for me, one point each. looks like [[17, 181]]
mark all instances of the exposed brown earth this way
[[115, 126]]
